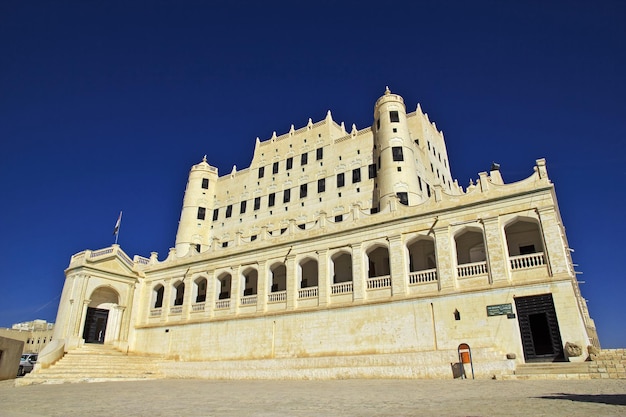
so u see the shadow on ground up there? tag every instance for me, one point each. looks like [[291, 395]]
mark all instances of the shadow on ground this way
[[613, 399]]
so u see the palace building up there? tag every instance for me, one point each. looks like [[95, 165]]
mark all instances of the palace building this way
[[341, 253]]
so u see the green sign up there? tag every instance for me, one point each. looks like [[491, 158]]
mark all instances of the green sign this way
[[499, 310]]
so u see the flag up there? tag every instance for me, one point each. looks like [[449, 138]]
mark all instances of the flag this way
[[116, 229]]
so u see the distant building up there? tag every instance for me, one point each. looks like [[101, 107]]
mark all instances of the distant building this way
[[35, 334], [343, 243]]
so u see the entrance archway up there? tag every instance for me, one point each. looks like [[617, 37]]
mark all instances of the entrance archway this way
[[102, 319]]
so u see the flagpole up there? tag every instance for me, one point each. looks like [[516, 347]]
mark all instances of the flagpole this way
[[118, 224]]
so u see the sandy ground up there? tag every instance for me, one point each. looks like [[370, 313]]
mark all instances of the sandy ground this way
[[317, 398]]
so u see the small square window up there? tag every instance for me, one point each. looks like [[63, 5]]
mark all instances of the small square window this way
[[395, 130], [201, 213], [404, 198], [205, 183], [224, 244], [339, 218], [394, 117], [252, 238]]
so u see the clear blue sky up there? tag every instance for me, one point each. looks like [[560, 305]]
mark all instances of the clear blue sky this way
[[104, 106]]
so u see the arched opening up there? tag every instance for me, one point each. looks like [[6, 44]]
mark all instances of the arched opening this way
[[279, 278], [422, 254], [223, 285], [308, 273], [342, 267], [102, 319], [378, 262], [179, 293], [523, 237], [250, 282], [470, 247], [157, 296], [200, 287]]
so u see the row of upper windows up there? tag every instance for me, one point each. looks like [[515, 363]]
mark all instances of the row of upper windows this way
[[304, 159], [321, 187]]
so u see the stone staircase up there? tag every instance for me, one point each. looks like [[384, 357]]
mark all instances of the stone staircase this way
[[96, 363], [609, 363]]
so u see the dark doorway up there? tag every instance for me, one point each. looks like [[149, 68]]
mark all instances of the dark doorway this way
[[95, 325], [539, 328]]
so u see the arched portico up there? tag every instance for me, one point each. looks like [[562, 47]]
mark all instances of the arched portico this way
[[103, 316]]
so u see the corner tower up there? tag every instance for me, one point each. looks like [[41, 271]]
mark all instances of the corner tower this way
[[397, 167], [195, 218]]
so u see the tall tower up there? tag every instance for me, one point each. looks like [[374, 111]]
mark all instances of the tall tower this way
[[196, 217], [397, 168]]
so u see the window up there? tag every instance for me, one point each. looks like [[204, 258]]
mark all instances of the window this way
[[242, 207], [404, 198], [302, 226], [371, 171], [321, 185], [303, 190], [340, 180], [319, 153], [396, 151], [419, 180], [289, 163], [287, 195], [252, 238], [304, 158], [378, 124], [229, 210], [201, 213], [271, 200], [356, 175], [275, 168], [198, 247], [339, 218], [394, 117], [215, 214], [205, 183], [224, 244], [257, 203], [261, 172]]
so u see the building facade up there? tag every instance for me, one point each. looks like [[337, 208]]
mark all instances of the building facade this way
[[35, 334], [339, 243]]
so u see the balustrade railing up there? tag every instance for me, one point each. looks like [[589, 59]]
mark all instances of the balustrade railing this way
[[341, 288], [101, 252], [141, 260], [379, 282], [274, 297], [531, 260], [222, 304], [176, 309], [421, 277], [470, 270], [197, 307], [155, 312], [247, 300], [310, 292]]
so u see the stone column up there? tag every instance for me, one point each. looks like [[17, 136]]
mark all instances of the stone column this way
[[323, 277], [83, 317], [187, 296], [554, 244], [235, 289], [497, 259], [292, 282], [358, 273], [397, 266], [167, 300], [446, 264], [262, 287], [209, 304]]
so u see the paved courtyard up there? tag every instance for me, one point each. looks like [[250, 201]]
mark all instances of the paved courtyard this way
[[317, 398]]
